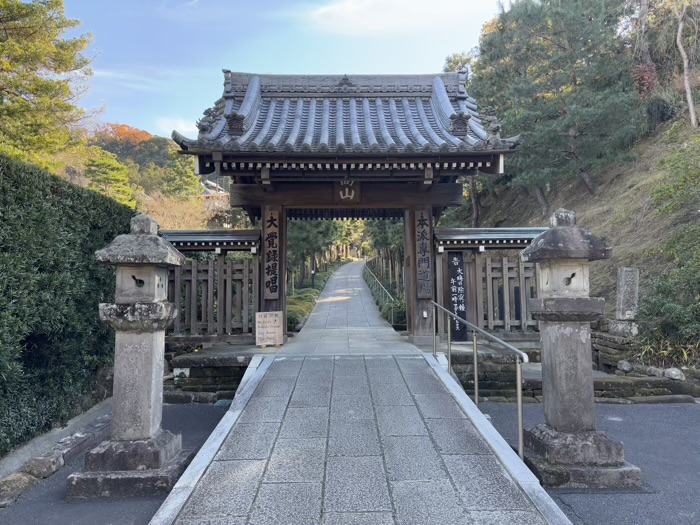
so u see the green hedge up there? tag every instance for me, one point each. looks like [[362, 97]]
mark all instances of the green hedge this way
[[51, 339]]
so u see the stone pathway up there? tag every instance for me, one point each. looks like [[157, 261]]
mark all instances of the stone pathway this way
[[342, 440], [328, 438], [346, 320]]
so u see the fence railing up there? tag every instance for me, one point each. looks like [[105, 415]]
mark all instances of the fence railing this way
[[519, 355], [504, 286], [214, 297], [376, 286]]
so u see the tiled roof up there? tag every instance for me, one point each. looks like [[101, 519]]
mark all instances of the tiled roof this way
[[489, 237], [345, 114], [191, 240]]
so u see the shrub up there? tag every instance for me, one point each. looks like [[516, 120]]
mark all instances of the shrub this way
[[670, 305], [51, 339]]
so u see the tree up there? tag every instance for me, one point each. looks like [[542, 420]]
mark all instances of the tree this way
[[120, 139], [108, 177], [154, 162], [559, 73], [460, 61], [40, 79], [306, 239], [387, 239], [680, 12], [665, 37]]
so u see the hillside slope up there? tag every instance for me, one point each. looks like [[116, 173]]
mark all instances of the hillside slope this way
[[622, 211]]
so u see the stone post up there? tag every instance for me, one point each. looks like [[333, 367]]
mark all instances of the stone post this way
[[140, 458], [567, 450], [626, 304]]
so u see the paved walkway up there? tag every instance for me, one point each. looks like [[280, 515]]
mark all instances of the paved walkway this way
[[375, 439], [346, 320]]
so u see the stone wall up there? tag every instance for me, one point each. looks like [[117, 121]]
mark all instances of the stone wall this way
[[497, 382], [609, 349], [496, 375], [204, 377]]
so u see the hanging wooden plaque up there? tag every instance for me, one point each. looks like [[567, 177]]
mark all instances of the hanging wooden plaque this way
[[424, 270], [271, 254]]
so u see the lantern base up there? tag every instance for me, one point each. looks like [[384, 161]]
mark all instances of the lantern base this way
[[118, 469], [587, 459]]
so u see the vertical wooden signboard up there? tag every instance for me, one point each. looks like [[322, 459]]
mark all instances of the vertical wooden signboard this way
[[424, 278], [458, 303], [271, 254]]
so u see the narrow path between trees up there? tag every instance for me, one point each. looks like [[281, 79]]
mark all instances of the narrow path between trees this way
[[346, 320]]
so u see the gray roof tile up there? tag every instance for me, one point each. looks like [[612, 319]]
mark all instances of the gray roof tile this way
[[336, 115]]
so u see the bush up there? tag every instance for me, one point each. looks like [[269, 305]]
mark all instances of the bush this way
[[51, 339], [670, 305], [399, 317]]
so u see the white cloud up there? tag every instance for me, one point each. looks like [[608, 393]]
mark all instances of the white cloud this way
[[413, 19], [124, 79], [166, 125]]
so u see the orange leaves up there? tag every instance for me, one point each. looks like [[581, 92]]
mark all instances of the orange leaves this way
[[123, 133]]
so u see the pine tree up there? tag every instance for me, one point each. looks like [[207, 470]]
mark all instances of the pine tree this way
[[40, 76], [558, 72], [109, 177]]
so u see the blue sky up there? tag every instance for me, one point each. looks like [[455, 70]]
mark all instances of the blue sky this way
[[157, 63]]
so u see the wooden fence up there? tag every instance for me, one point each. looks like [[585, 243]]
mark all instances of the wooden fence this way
[[217, 297], [506, 285]]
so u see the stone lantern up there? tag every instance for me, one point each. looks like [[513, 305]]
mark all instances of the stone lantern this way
[[140, 458], [568, 451]]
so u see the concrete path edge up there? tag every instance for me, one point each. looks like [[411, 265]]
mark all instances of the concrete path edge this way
[[527, 481], [173, 504]]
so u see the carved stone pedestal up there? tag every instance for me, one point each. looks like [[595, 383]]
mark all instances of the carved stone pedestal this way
[[140, 467], [589, 459]]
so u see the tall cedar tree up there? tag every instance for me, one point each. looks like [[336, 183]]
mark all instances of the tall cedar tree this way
[[40, 74], [558, 72], [306, 239]]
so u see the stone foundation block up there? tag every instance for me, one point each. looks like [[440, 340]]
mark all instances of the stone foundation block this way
[[625, 476], [13, 486], [45, 465], [577, 448], [420, 340], [128, 483], [624, 328], [143, 454]]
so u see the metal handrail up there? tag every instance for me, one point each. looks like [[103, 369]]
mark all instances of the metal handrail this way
[[391, 298], [518, 364]]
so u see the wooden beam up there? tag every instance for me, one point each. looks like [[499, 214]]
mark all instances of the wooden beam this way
[[320, 195]]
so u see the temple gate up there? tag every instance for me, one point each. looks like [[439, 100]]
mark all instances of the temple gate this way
[[328, 147]]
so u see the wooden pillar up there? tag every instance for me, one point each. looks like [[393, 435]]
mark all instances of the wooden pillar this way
[[273, 260], [419, 228], [407, 272]]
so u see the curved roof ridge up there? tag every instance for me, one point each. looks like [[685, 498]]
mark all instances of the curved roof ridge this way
[[441, 103], [345, 114], [239, 121]]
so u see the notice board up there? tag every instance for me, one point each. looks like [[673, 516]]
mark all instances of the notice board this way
[[458, 303], [269, 328]]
